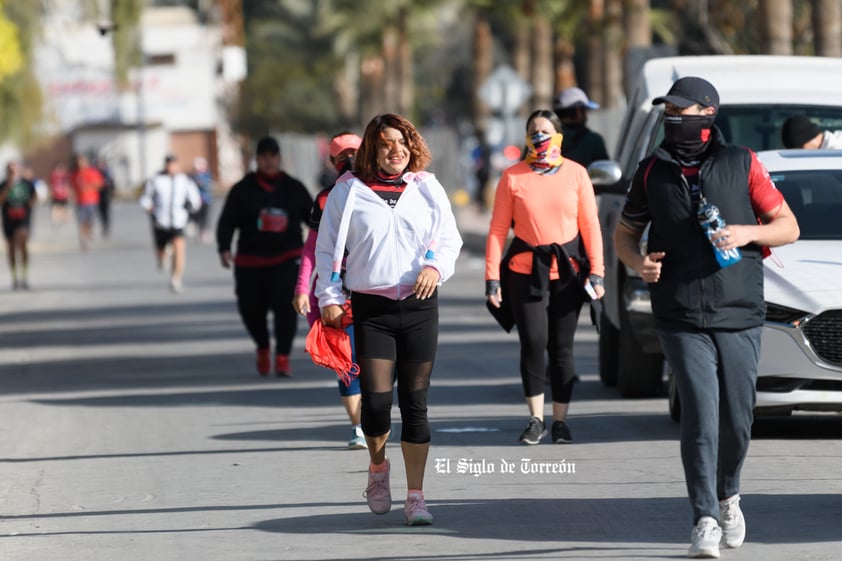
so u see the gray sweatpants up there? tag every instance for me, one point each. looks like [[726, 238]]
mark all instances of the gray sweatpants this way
[[715, 372]]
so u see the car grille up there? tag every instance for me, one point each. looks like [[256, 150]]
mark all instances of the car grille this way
[[824, 332]]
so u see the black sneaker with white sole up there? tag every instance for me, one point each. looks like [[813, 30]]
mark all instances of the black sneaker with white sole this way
[[534, 432], [561, 433]]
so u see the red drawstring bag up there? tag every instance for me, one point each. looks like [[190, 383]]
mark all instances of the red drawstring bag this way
[[331, 347]]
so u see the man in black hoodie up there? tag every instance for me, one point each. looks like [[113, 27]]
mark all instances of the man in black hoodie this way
[[266, 208]]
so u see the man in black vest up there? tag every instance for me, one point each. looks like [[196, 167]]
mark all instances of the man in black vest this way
[[707, 291]]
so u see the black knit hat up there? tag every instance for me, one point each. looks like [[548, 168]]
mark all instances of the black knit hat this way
[[268, 145], [798, 130]]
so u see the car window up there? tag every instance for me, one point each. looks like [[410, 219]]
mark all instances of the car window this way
[[755, 126], [759, 126], [815, 197]]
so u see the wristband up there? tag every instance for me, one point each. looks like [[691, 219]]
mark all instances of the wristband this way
[[596, 280], [491, 287]]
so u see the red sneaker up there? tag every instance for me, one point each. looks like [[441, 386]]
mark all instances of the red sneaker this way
[[264, 362], [282, 368]]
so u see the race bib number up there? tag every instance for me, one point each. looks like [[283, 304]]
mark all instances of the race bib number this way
[[272, 220]]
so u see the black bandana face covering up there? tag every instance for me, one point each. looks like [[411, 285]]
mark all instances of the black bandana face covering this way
[[687, 135]]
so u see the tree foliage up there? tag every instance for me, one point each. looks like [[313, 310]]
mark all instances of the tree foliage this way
[[20, 93], [125, 36], [11, 58], [301, 53], [290, 69]]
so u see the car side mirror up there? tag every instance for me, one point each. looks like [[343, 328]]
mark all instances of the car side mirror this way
[[606, 176]]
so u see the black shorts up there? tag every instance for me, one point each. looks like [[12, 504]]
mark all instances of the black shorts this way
[[405, 330], [11, 226], [163, 236]]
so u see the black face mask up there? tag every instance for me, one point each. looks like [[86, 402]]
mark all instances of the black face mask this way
[[687, 136]]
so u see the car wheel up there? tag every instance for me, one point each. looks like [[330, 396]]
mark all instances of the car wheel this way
[[672, 397], [608, 351], [639, 374]]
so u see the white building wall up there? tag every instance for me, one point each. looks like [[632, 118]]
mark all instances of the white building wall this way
[[178, 89]]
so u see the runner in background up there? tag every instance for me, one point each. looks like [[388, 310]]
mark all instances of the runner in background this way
[[168, 198], [106, 194], [343, 148], [86, 181], [17, 196], [266, 209], [203, 179], [59, 182]]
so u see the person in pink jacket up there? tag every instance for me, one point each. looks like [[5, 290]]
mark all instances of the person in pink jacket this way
[[343, 147]]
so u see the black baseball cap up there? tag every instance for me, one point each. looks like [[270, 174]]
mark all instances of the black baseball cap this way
[[268, 145], [688, 91]]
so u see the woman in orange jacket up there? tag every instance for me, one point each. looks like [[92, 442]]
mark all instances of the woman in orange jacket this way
[[556, 255]]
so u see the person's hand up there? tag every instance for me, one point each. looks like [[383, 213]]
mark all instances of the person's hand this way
[[650, 271], [495, 299], [225, 259], [332, 315], [426, 283], [301, 304], [732, 236], [600, 291]]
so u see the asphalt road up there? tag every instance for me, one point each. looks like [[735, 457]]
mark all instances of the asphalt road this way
[[133, 427]]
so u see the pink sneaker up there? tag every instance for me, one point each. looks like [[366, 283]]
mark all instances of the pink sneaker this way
[[377, 493], [416, 511]]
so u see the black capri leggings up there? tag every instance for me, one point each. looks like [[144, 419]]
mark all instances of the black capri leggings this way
[[548, 323], [395, 337]]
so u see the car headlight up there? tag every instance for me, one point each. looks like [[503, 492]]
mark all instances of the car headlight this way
[[776, 313]]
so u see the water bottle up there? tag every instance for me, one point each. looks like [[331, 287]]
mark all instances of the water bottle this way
[[711, 223]]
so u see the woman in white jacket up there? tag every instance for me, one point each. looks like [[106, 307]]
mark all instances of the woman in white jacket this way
[[392, 224]]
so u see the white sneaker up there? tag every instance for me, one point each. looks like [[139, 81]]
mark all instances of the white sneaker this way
[[704, 539], [733, 522], [357, 441]]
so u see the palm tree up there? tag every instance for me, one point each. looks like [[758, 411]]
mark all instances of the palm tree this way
[[775, 18], [596, 50], [125, 36], [379, 34], [638, 23], [542, 75], [827, 27], [613, 54], [482, 64]]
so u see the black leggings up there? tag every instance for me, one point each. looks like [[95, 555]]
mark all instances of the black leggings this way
[[547, 324], [395, 338], [260, 289]]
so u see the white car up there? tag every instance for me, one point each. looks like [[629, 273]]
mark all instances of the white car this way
[[801, 354], [758, 93]]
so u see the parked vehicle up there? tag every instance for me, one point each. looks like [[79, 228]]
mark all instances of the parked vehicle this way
[[757, 94], [801, 353]]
